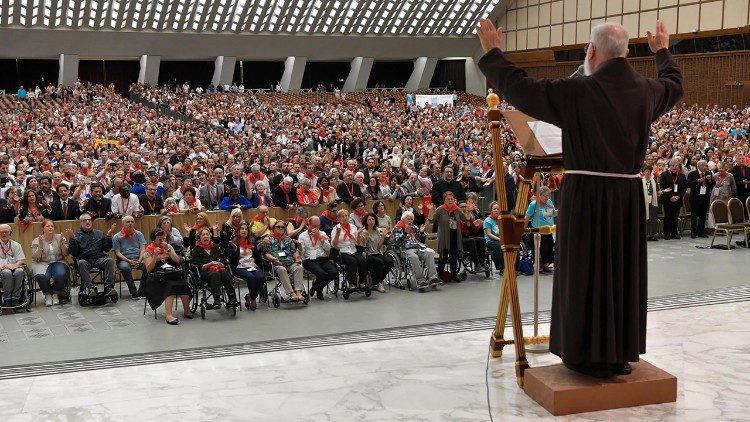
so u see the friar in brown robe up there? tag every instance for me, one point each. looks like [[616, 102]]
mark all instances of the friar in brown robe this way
[[600, 276]]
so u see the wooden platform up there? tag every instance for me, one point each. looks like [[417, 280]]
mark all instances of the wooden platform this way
[[563, 392]]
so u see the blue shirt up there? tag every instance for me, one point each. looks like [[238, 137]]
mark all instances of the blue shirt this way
[[22, 93], [546, 214], [127, 246], [490, 223]]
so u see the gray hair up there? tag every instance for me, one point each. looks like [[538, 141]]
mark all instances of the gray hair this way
[[255, 167], [544, 190], [288, 179], [675, 162], [701, 162], [302, 212], [721, 165], [610, 39], [406, 215]]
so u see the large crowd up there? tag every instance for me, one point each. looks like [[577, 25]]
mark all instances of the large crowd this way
[[83, 152]]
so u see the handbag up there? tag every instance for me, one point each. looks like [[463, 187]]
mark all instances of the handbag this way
[[525, 266]]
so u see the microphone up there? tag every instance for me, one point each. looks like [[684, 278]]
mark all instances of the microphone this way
[[580, 72]]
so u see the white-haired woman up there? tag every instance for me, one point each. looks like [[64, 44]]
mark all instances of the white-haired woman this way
[[408, 237]]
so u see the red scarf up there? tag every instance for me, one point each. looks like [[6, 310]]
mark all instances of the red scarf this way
[[329, 215], [306, 198], [196, 227], [258, 218], [130, 234], [252, 179], [190, 204], [314, 240], [347, 231], [278, 236], [245, 245], [449, 209], [151, 249], [360, 214], [206, 247]]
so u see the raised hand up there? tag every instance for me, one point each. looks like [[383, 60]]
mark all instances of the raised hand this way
[[489, 37], [660, 39]]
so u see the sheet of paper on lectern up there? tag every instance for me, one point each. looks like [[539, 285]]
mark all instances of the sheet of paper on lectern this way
[[549, 136]]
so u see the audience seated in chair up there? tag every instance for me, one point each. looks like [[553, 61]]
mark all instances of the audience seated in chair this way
[[51, 272]]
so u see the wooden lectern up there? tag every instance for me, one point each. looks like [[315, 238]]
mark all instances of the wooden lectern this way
[[512, 221]]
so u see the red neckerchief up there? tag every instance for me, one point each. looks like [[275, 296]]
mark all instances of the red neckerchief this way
[[360, 214], [306, 198], [252, 179], [196, 227], [347, 231], [151, 249], [449, 209], [278, 236], [235, 226], [329, 215], [130, 234], [262, 200], [190, 204], [314, 239], [206, 247], [258, 217], [245, 245]]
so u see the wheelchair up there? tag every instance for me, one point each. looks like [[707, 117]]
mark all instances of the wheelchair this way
[[467, 266], [342, 284], [27, 293], [97, 279], [402, 274], [201, 293], [274, 296]]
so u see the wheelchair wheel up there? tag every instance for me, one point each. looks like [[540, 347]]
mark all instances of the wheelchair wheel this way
[[345, 293], [333, 287], [276, 301], [394, 275], [263, 294], [305, 298], [368, 292], [203, 311], [463, 275], [114, 299]]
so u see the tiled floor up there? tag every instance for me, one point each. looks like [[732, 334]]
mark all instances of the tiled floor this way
[[78, 333], [435, 378]]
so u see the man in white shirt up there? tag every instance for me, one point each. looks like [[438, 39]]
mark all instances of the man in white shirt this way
[[11, 268], [126, 203], [315, 249]]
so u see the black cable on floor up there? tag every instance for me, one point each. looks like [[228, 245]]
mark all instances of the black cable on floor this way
[[487, 385]]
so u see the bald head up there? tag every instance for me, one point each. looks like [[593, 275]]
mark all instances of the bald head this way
[[608, 41]]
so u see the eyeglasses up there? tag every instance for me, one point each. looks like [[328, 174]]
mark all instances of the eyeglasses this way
[[85, 219], [278, 227]]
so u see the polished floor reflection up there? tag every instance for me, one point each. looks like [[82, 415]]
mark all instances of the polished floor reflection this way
[[428, 378]]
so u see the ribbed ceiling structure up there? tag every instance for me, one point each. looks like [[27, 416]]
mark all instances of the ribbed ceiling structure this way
[[442, 18]]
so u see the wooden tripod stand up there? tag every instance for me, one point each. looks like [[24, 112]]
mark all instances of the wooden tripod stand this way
[[511, 233]]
